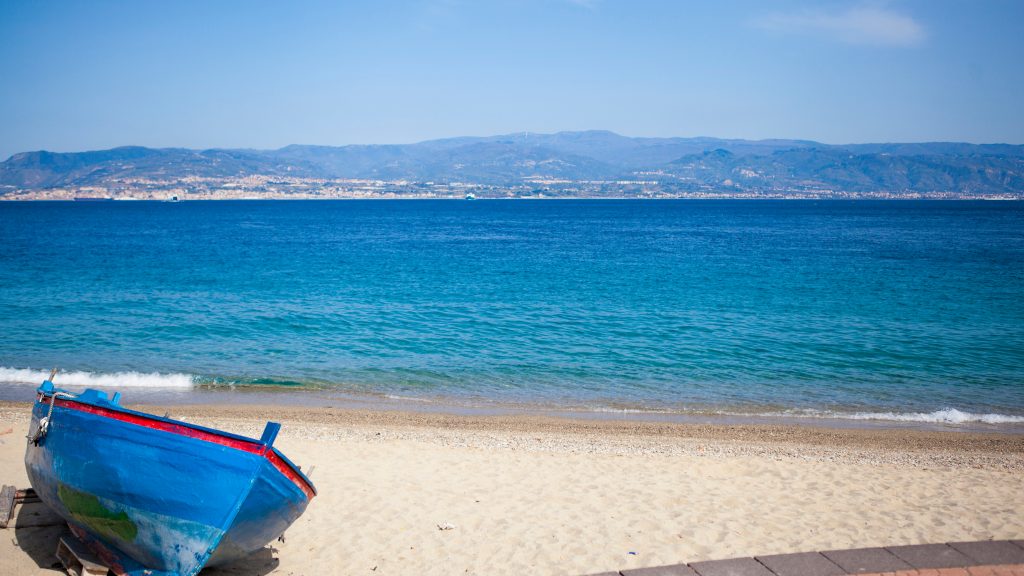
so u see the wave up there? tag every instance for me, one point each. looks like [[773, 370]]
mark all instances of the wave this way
[[944, 416], [97, 379], [607, 410], [406, 398]]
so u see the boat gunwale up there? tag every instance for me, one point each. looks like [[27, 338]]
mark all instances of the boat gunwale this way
[[272, 455]]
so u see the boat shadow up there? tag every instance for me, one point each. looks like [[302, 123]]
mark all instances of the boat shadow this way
[[258, 563], [38, 530]]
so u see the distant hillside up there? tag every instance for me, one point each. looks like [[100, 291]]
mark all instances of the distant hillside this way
[[512, 159], [488, 160], [50, 169], [838, 169]]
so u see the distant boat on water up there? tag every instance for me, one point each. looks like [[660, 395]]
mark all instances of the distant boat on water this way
[[152, 495], [173, 199], [470, 196]]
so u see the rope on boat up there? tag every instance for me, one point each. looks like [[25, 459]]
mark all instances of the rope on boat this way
[[44, 422]]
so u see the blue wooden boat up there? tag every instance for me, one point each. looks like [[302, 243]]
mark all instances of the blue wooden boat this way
[[155, 495]]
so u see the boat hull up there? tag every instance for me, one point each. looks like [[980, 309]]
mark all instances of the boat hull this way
[[170, 496]]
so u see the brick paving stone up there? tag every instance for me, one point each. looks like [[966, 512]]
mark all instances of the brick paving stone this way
[[925, 572], [994, 552], [865, 560], [733, 567], [672, 570], [803, 564], [984, 558], [931, 556]]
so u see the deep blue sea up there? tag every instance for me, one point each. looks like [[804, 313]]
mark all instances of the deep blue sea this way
[[886, 310]]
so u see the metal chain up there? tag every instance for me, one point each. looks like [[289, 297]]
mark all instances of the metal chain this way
[[44, 423]]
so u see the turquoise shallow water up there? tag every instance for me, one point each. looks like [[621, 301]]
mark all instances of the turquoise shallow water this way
[[903, 310]]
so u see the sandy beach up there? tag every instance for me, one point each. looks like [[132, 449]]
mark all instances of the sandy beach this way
[[527, 494]]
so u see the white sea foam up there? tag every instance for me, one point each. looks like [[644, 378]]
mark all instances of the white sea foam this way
[[406, 398], [81, 379], [944, 416], [607, 410]]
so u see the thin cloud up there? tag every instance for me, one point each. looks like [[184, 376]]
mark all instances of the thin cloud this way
[[858, 25]]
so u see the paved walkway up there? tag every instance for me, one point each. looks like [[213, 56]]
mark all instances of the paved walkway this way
[[984, 558]]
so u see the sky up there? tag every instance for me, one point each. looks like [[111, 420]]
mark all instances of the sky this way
[[264, 74]]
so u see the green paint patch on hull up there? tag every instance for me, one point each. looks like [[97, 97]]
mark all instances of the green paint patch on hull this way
[[91, 513]]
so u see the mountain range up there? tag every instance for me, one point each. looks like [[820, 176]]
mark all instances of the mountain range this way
[[746, 165]]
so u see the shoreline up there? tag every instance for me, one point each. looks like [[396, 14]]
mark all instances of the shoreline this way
[[573, 434], [313, 398]]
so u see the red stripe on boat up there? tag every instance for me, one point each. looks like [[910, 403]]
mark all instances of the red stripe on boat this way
[[239, 444], [289, 472]]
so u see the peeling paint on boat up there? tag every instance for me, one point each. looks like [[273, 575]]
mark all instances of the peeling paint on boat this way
[[91, 513]]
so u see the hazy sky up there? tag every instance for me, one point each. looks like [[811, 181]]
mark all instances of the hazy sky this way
[[87, 75]]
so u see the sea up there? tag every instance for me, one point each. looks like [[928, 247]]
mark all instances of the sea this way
[[873, 311]]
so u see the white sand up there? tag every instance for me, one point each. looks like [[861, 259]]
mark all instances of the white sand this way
[[541, 497]]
